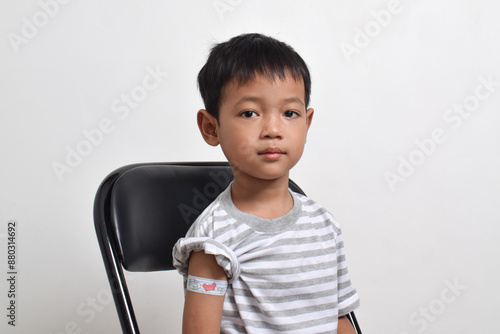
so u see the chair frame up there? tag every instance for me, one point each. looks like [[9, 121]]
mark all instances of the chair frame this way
[[109, 246]]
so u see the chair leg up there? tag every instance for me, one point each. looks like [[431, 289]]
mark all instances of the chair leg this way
[[354, 322]]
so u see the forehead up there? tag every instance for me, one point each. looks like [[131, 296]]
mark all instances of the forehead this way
[[264, 87]]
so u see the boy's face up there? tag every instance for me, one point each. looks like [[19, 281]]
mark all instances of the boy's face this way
[[262, 126]]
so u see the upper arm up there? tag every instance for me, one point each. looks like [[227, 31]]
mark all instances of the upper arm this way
[[203, 312], [344, 326]]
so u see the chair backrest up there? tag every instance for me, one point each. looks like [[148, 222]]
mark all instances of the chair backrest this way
[[141, 210]]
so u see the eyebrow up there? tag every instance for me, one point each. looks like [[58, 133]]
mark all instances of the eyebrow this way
[[257, 99]]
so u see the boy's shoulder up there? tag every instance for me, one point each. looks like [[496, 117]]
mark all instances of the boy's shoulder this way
[[308, 203], [214, 209], [315, 211], [220, 210]]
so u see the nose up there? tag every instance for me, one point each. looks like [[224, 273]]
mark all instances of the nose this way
[[272, 127]]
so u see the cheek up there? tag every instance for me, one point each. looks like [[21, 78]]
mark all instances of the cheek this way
[[244, 147], [300, 135], [299, 143], [235, 144]]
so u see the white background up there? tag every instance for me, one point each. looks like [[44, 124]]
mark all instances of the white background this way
[[423, 250]]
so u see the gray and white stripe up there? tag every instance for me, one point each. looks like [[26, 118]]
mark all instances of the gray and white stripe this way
[[287, 274]]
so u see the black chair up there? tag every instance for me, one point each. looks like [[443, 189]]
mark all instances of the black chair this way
[[141, 210]]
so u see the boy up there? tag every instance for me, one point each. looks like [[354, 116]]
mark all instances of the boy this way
[[260, 258]]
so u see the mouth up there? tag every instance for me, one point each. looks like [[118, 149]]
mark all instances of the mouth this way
[[272, 153]]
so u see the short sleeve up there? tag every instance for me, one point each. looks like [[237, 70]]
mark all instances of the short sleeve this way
[[224, 256], [348, 298]]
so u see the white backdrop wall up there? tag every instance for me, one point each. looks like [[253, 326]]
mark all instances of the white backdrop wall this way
[[404, 148]]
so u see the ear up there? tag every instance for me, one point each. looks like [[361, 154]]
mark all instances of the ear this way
[[208, 127], [309, 117]]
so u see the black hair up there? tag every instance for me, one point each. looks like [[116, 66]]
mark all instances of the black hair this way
[[241, 58]]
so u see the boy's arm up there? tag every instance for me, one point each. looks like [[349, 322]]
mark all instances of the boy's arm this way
[[344, 326], [203, 312]]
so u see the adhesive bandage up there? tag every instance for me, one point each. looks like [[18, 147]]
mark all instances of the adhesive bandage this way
[[206, 285]]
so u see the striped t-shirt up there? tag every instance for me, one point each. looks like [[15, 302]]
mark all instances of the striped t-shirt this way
[[286, 275]]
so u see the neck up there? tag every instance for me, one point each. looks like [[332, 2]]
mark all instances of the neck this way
[[263, 198]]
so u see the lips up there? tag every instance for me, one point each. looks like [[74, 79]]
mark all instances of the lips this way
[[272, 153]]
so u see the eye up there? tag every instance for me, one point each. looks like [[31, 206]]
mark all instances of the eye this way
[[290, 114], [248, 113]]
